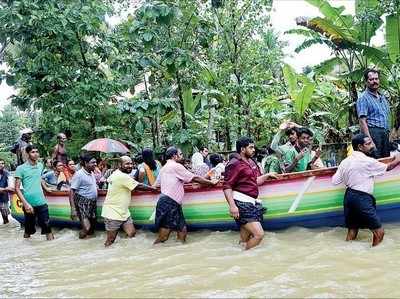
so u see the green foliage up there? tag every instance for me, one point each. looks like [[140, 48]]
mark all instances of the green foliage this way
[[301, 90], [64, 62], [11, 121], [393, 37], [182, 72]]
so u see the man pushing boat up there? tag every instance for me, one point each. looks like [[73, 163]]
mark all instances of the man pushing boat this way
[[83, 196], [172, 177], [116, 205], [357, 172], [242, 178]]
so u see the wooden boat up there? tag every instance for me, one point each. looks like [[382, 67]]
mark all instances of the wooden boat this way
[[306, 199]]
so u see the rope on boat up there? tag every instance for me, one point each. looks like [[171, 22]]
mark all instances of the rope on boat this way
[[300, 195]]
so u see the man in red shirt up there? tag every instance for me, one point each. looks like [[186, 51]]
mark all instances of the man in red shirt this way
[[242, 178]]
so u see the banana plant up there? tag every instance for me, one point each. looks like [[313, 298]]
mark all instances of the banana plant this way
[[393, 37], [349, 38], [300, 90]]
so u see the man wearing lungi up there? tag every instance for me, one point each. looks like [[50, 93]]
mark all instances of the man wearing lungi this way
[[357, 173]]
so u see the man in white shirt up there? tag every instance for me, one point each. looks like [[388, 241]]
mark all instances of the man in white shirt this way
[[357, 173]]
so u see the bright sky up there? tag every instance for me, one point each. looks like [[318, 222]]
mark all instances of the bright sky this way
[[283, 18]]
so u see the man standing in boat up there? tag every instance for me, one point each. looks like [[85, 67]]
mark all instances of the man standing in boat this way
[[242, 178], [172, 177], [373, 112], [34, 203], [19, 147], [357, 173], [116, 205], [83, 196]]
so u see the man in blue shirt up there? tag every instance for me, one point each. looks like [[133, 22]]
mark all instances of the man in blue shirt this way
[[373, 114], [83, 196]]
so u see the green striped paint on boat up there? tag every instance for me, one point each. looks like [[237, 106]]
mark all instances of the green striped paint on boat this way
[[213, 209]]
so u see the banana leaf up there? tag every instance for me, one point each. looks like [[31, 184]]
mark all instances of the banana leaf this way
[[333, 14], [393, 36], [303, 98]]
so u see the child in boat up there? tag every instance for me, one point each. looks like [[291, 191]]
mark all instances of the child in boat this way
[[172, 177], [34, 203], [357, 173]]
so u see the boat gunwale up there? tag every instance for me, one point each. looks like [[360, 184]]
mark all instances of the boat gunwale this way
[[194, 187]]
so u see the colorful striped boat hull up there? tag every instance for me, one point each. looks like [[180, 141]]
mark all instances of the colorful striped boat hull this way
[[305, 199]]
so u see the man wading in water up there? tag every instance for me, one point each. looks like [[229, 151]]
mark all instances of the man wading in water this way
[[83, 196], [34, 203], [242, 178], [357, 172], [116, 205], [172, 177]]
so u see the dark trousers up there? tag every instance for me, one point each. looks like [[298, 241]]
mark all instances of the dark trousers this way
[[41, 214], [380, 136]]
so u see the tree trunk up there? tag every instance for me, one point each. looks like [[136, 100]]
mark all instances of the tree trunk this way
[[352, 109], [248, 121], [93, 127], [158, 131], [210, 125], [153, 132], [227, 137], [181, 106]]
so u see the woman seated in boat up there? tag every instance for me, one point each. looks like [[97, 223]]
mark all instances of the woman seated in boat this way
[[55, 179], [148, 170], [218, 167], [99, 171], [199, 167], [69, 170]]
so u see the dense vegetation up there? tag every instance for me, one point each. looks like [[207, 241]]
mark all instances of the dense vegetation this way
[[185, 72]]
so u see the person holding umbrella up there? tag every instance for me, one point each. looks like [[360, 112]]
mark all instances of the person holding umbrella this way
[[83, 196]]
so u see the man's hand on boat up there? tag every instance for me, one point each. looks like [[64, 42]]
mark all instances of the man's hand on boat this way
[[262, 178], [214, 181], [271, 175]]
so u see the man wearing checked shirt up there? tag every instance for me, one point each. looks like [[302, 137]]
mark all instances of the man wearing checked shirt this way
[[373, 113]]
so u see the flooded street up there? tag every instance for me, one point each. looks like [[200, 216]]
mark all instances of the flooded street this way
[[293, 263]]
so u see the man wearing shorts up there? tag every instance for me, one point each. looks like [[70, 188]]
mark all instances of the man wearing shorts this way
[[34, 203], [116, 205], [242, 178], [83, 196], [6, 186], [172, 177], [357, 173]]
